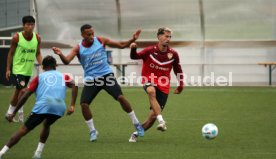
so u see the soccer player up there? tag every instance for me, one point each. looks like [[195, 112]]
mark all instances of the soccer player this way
[[158, 61], [98, 74], [50, 90], [25, 47]]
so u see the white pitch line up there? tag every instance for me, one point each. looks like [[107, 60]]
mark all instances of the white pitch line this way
[[132, 152], [197, 119], [264, 153]]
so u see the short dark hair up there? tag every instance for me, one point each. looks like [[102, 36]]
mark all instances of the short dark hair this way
[[28, 19], [162, 30], [85, 26], [49, 62]]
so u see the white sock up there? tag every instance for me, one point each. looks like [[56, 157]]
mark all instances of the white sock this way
[[90, 125], [40, 147], [4, 150], [21, 110], [11, 109], [160, 119], [133, 117]]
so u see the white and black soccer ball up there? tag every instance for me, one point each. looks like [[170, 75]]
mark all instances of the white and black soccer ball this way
[[209, 131]]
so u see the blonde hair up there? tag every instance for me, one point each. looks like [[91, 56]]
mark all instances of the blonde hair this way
[[162, 30]]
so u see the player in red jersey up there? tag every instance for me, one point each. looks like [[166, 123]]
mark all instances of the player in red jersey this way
[[158, 61]]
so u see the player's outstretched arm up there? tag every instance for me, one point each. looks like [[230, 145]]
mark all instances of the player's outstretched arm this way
[[66, 59], [14, 42], [133, 51], [121, 44], [134, 55], [74, 95], [26, 94]]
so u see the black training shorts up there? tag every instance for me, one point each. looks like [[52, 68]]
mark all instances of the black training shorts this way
[[92, 88], [20, 81], [161, 97], [35, 119]]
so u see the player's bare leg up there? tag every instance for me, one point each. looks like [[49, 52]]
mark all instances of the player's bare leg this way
[[152, 99], [13, 103], [17, 136], [149, 121], [146, 125], [14, 139], [127, 108], [21, 111], [16, 96], [87, 114], [154, 114], [156, 108], [124, 104], [45, 132]]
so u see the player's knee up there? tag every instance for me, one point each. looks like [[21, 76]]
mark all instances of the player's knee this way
[[46, 125], [17, 87], [23, 131], [121, 98], [153, 118], [22, 91], [20, 86], [84, 105], [151, 91]]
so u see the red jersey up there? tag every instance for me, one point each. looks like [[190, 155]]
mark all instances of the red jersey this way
[[157, 67]]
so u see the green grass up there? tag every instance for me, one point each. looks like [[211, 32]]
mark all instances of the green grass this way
[[245, 117]]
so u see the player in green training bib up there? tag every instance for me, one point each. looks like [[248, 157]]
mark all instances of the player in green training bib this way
[[25, 48]]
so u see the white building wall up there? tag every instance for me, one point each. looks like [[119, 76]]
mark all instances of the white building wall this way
[[242, 62]]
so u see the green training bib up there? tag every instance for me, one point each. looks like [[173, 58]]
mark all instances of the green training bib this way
[[25, 55]]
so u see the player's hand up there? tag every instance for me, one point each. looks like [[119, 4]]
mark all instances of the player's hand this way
[[133, 45], [10, 117], [57, 50], [71, 110], [136, 34], [8, 74], [178, 90]]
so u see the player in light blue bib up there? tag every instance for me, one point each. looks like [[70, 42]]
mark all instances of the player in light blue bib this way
[[50, 91], [98, 74], [94, 60]]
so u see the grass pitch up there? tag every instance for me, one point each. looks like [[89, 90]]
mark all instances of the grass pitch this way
[[245, 117]]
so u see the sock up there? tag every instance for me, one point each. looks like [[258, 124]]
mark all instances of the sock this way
[[4, 150], [90, 125], [11, 109], [133, 117], [21, 110], [40, 147], [136, 133], [160, 119]]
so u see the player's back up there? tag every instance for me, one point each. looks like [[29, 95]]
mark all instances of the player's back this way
[[50, 93]]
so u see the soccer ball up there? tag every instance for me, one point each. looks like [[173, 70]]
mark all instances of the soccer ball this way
[[209, 131]]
